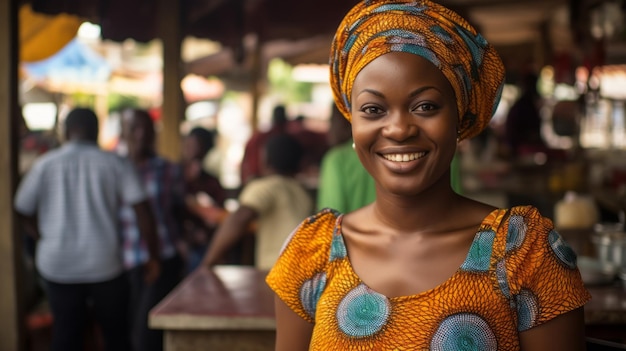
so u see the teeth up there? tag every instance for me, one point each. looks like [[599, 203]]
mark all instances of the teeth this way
[[404, 157]]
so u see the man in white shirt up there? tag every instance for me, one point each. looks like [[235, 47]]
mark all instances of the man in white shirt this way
[[72, 196]]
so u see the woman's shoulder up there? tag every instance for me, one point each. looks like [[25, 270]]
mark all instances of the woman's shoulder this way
[[527, 211], [312, 237], [540, 268], [516, 231], [530, 219], [527, 232], [318, 228], [501, 218], [303, 261]]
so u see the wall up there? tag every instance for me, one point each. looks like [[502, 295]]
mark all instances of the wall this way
[[11, 338]]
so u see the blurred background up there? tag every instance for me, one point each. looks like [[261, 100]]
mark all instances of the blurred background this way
[[557, 140]]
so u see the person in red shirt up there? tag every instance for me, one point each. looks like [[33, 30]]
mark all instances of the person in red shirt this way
[[251, 164]]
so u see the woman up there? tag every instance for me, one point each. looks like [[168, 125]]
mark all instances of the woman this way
[[422, 268], [202, 190]]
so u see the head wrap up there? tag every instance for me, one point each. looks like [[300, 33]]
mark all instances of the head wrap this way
[[376, 27]]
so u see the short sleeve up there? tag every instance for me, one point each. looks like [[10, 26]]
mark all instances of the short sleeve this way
[[25, 201], [299, 275], [545, 280], [258, 194]]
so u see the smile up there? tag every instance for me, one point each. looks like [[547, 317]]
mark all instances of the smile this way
[[404, 157]]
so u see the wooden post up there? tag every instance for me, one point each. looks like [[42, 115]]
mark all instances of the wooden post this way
[[11, 306], [255, 83], [173, 106]]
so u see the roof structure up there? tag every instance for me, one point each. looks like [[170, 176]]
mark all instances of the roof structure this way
[[225, 21]]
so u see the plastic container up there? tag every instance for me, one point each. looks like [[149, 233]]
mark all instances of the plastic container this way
[[609, 241], [575, 211]]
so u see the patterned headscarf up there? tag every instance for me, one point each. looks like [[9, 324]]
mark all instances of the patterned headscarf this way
[[376, 27]]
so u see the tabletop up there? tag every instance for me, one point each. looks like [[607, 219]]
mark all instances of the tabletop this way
[[237, 298], [222, 298]]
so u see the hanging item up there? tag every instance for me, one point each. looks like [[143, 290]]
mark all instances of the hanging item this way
[[41, 35]]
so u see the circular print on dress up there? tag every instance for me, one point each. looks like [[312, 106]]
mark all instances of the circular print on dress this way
[[562, 250], [463, 332], [362, 312], [527, 309], [310, 293]]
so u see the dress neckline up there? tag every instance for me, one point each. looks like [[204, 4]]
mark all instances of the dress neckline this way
[[492, 220]]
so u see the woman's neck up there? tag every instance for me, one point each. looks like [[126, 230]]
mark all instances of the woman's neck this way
[[425, 212]]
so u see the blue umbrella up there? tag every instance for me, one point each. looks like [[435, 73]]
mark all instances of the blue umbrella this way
[[75, 63]]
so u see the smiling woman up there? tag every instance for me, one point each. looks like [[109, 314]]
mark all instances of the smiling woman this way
[[396, 98], [422, 267]]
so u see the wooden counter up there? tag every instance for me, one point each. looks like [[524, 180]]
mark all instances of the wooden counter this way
[[227, 308], [232, 308], [607, 306], [605, 314]]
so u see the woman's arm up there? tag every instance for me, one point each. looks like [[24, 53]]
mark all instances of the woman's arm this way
[[293, 333], [565, 332]]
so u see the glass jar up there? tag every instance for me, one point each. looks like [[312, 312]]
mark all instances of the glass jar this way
[[609, 241]]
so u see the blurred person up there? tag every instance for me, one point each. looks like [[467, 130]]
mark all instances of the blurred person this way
[[344, 185], [274, 202], [422, 267], [71, 196], [523, 121], [251, 164], [163, 182], [200, 186], [314, 146]]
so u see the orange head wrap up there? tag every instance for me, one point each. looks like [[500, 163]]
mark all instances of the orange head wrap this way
[[376, 27]]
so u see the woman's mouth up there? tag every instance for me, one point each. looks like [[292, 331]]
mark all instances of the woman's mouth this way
[[404, 157]]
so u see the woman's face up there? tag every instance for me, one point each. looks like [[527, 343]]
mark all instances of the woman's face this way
[[139, 134], [190, 149], [404, 123]]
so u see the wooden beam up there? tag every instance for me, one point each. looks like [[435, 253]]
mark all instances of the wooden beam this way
[[255, 84], [480, 4], [173, 107], [11, 306]]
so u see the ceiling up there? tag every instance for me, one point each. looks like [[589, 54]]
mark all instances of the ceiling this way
[[301, 31], [502, 22], [510, 22]]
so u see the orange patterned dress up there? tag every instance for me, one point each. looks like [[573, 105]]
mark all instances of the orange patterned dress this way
[[518, 273]]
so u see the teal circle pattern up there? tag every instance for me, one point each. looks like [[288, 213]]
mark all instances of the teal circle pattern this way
[[527, 309], [479, 256], [337, 248], [503, 281], [362, 312], [516, 233], [562, 250], [464, 332], [310, 293]]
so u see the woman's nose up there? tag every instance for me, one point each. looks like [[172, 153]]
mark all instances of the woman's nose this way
[[400, 126]]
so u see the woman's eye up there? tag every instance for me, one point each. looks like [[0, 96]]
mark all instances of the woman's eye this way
[[372, 110], [425, 107]]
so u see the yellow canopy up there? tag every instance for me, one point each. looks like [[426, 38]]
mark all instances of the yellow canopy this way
[[41, 35]]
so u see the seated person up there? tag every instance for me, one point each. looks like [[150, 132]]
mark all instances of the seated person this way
[[276, 202]]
